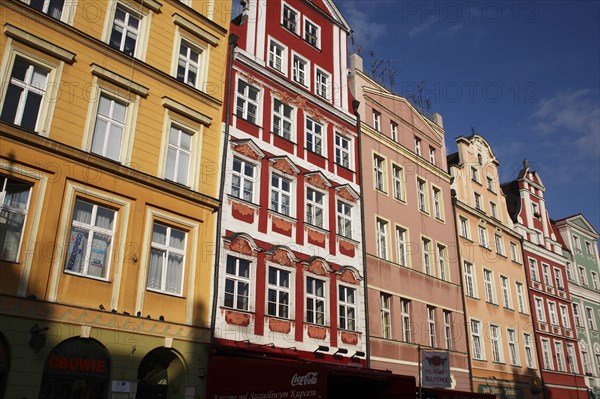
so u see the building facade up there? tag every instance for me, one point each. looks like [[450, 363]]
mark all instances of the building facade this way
[[500, 328], [553, 322], [110, 140], [414, 294], [290, 276], [581, 240]]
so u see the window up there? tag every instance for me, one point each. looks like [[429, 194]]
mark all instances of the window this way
[[536, 210], [552, 312], [546, 274], [539, 309], [179, 153], [322, 83], [431, 326], [25, 94], [281, 189], [421, 197], [347, 308], [488, 280], [490, 184], [315, 301], [437, 203], [344, 219], [277, 57], [290, 19], [528, 350], [560, 356], [479, 159], [426, 248], [394, 130], [53, 8], [590, 318], [478, 203], [386, 316], [282, 119], [237, 283], [398, 182], [585, 360], [475, 174], [314, 207], [188, 63], [90, 240], [311, 33], [505, 292], [441, 258], [247, 102], [493, 210], [564, 315], [14, 207], [521, 298], [569, 269], [432, 155], [417, 142], [378, 168], [464, 227], [476, 339], [278, 293], [109, 128], [314, 136], [577, 244], [582, 276], [495, 337], [448, 329], [558, 279], [499, 246], [401, 243], [382, 239], [124, 35], [577, 315], [595, 283], [514, 254], [547, 354], [300, 71], [588, 248], [470, 280], [167, 259], [342, 150], [533, 270], [405, 313], [242, 179], [483, 237], [377, 120], [513, 352], [572, 360]]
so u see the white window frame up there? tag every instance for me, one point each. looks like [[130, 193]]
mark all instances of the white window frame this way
[[278, 289], [483, 237], [381, 233], [296, 26], [246, 100], [379, 175], [464, 227], [590, 318], [577, 244], [279, 119], [572, 359], [475, 174], [322, 83], [478, 201], [432, 155], [490, 184], [278, 194], [394, 130], [167, 251], [539, 309], [513, 350], [237, 281], [313, 206], [493, 210], [506, 297], [401, 245], [426, 244], [521, 297], [376, 120], [66, 15], [577, 315], [343, 150], [477, 340], [595, 282], [422, 199], [347, 307], [431, 328], [343, 218], [529, 357], [582, 276], [308, 36], [201, 65], [8, 209], [244, 178], [564, 315], [514, 253], [278, 56], [558, 279], [398, 182], [300, 75], [470, 286], [192, 172], [559, 352], [533, 270], [546, 275], [499, 245], [142, 30], [447, 315], [438, 206], [496, 343], [490, 289], [405, 315], [417, 145], [585, 360], [315, 139], [385, 304], [442, 261], [316, 299], [552, 311]]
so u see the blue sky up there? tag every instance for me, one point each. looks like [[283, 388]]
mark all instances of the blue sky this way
[[525, 75]]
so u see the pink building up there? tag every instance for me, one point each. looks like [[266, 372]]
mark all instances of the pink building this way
[[414, 286]]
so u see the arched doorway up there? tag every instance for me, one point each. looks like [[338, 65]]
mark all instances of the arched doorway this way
[[77, 368], [4, 363], [161, 375]]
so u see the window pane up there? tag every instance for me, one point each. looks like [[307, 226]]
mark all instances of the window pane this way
[[76, 250], [31, 111], [99, 255]]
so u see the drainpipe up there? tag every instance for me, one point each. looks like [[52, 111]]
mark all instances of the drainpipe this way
[[355, 104], [462, 286], [233, 39]]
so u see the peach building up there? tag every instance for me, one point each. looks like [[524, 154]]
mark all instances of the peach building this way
[[414, 292], [500, 330]]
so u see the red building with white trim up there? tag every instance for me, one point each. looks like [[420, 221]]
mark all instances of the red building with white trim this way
[[554, 327]]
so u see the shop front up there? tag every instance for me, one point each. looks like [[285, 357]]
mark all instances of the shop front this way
[[258, 377]]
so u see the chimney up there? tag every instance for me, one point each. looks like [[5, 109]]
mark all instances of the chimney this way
[[356, 62], [437, 119]]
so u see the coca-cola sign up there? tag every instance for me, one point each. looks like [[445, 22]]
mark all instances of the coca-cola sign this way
[[309, 378]]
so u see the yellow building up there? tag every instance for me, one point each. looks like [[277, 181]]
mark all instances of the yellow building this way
[[499, 327], [110, 149]]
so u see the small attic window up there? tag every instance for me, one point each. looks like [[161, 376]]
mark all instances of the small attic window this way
[[480, 159]]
